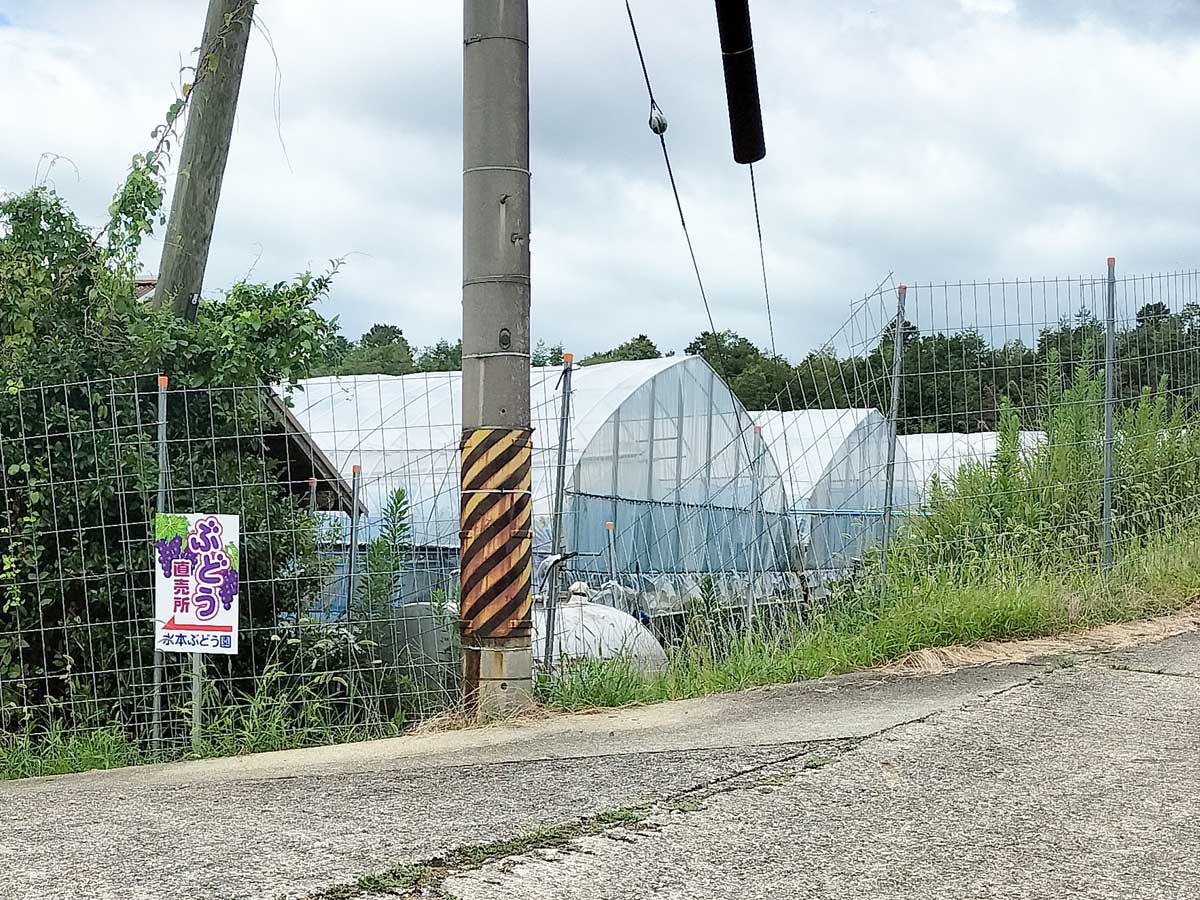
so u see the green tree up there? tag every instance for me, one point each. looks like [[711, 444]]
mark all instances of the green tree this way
[[441, 357], [639, 347], [77, 423], [383, 350], [543, 355], [819, 382], [1159, 352], [727, 352], [765, 383]]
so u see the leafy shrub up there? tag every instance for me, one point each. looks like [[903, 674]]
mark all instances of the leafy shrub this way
[[79, 469]]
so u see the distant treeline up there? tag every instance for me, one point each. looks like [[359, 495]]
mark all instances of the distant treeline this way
[[951, 381]]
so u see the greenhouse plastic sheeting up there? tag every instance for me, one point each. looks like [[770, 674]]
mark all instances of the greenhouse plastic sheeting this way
[[941, 455], [687, 484], [834, 468], [659, 447]]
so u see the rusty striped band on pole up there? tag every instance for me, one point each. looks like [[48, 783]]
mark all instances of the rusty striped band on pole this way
[[496, 537]]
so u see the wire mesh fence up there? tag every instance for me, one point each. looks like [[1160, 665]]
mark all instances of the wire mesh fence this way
[[949, 437], [951, 441]]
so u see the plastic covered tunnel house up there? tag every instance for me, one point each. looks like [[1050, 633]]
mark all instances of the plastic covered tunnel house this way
[[659, 448], [834, 464], [937, 458]]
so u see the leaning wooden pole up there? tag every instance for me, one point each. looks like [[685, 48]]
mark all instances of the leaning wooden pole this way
[[212, 105]]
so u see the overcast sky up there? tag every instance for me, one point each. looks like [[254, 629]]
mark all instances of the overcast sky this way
[[958, 139]]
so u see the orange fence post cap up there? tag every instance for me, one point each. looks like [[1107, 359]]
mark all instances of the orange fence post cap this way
[[568, 357], [162, 381]]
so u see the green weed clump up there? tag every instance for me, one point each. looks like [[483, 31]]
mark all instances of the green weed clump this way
[[282, 713], [55, 751], [285, 713]]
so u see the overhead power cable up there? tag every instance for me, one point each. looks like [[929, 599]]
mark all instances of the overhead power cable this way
[[762, 258], [658, 124]]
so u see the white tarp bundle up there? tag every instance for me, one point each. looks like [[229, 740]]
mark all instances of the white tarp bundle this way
[[587, 630]]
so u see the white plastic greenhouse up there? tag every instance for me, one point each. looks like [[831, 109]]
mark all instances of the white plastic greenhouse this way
[[941, 455], [834, 465], [660, 447]]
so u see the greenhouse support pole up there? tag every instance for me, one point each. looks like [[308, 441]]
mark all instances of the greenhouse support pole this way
[[677, 544], [610, 529], [496, 496], [614, 490], [312, 496], [159, 661], [708, 454], [355, 483], [893, 428], [554, 588], [1110, 342]]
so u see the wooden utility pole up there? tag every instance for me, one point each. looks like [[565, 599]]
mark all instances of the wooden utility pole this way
[[213, 103]]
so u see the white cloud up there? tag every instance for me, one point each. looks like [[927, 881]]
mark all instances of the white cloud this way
[[944, 140]]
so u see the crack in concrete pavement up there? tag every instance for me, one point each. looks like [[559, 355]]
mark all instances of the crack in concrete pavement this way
[[446, 813], [1117, 667], [426, 878], [1085, 797]]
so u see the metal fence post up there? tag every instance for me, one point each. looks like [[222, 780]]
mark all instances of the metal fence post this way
[[159, 661], [354, 487], [755, 509], [197, 683], [1110, 342], [893, 427], [556, 523]]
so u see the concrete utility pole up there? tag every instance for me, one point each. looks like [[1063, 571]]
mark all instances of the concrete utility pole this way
[[202, 158], [496, 511]]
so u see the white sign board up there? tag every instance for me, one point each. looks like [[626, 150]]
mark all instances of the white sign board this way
[[196, 583]]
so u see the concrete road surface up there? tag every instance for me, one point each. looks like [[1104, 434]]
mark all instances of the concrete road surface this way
[[1068, 777]]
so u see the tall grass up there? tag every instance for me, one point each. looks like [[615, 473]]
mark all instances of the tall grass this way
[[56, 751], [945, 608], [282, 713]]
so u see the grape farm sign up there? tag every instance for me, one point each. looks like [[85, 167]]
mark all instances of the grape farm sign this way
[[196, 583]]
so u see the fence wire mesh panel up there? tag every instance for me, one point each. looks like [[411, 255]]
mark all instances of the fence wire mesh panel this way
[[79, 474], [950, 442], [1023, 439], [327, 650]]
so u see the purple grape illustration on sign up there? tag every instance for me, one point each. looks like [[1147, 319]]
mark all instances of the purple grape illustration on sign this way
[[168, 552], [169, 534], [228, 589]]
